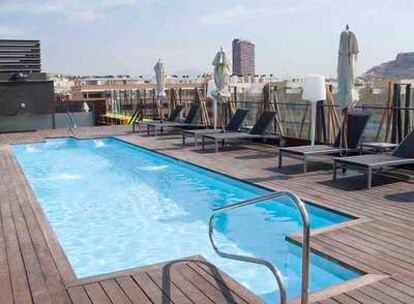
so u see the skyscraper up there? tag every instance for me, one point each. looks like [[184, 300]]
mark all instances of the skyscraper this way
[[243, 58]]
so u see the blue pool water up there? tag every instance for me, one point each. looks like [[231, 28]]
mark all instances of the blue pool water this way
[[115, 206]]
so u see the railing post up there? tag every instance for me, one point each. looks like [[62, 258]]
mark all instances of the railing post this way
[[276, 273]]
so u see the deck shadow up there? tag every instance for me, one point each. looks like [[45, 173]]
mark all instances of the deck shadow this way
[[257, 156], [266, 178], [402, 197], [221, 149], [216, 275], [176, 148], [358, 182], [297, 169], [166, 136]]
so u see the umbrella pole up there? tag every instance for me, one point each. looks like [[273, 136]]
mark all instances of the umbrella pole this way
[[344, 130], [313, 123], [384, 118], [303, 121], [215, 113]]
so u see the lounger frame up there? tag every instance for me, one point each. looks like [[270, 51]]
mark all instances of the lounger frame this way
[[233, 126], [304, 156], [368, 169]]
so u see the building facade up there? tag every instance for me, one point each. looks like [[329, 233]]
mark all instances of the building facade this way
[[19, 56], [26, 97], [243, 58]]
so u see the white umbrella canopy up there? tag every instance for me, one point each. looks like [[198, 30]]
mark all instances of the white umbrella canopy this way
[[347, 60], [221, 65], [160, 78], [160, 87]]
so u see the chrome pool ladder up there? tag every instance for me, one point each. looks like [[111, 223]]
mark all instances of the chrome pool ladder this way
[[276, 273], [72, 126]]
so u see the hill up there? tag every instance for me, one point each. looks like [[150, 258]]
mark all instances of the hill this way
[[400, 68]]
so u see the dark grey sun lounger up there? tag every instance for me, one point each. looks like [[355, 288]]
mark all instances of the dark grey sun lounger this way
[[257, 132], [402, 155], [187, 123], [233, 126], [356, 126], [174, 116]]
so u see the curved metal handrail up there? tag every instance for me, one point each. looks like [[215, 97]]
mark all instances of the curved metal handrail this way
[[72, 126], [276, 273]]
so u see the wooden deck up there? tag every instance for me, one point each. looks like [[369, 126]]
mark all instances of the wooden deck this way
[[33, 268]]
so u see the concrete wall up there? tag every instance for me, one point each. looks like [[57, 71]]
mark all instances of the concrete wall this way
[[37, 96], [32, 122], [26, 122], [81, 119]]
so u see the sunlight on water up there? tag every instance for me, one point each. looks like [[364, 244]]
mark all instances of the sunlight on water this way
[[31, 149], [60, 176], [99, 143], [154, 168]]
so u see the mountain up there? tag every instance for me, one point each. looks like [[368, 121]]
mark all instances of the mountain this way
[[400, 68]]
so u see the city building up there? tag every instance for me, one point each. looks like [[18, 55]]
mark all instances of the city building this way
[[26, 95], [243, 58], [19, 56]]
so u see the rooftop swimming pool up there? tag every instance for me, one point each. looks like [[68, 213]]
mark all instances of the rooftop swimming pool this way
[[115, 206]]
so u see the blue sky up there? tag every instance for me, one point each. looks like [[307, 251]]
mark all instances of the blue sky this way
[[292, 37]]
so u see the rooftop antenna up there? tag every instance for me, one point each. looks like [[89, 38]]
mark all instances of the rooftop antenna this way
[[347, 27]]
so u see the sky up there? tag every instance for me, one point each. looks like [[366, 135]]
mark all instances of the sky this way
[[292, 37]]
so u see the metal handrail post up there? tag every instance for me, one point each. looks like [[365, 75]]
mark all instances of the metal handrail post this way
[[276, 273]]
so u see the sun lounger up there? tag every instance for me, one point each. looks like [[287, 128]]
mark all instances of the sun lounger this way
[[356, 126], [187, 123], [402, 155], [257, 132], [233, 126], [174, 116]]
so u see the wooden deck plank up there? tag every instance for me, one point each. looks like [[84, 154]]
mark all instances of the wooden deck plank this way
[[328, 301], [38, 289], [132, 290], [365, 256], [18, 277], [114, 292], [380, 256], [6, 295], [394, 243], [222, 280], [379, 295], [151, 289], [47, 264], [392, 292], [362, 297], [344, 299], [96, 294], [78, 295], [163, 280], [217, 293], [382, 249], [191, 290], [394, 283]]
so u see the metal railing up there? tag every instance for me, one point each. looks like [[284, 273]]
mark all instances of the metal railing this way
[[276, 273], [72, 126]]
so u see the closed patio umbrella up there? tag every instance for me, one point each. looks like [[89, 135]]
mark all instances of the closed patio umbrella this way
[[347, 60], [221, 65], [160, 87]]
